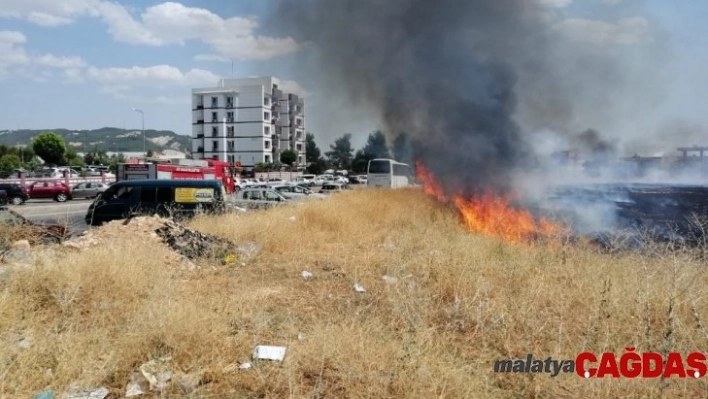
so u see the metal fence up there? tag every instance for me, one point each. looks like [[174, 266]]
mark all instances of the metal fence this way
[[26, 181]]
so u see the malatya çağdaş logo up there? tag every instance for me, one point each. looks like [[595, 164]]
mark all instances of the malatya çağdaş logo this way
[[629, 364]]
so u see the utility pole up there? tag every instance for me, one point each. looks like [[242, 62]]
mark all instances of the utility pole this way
[[142, 115]]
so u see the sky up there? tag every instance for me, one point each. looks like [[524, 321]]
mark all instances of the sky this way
[[84, 64]]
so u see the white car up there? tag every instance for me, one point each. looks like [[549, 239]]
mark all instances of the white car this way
[[307, 180], [297, 192], [258, 198], [330, 188]]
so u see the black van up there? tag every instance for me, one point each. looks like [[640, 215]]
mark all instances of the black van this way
[[178, 198]]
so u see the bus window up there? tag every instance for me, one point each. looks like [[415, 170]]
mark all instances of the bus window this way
[[380, 167], [401, 170]]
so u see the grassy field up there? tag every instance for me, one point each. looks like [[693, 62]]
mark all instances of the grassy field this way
[[460, 302]]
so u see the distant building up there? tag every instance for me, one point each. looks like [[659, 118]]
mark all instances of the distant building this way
[[248, 120]]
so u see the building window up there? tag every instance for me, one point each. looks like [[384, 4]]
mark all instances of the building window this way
[[230, 117], [214, 117], [231, 146], [214, 102], [266, 130], [215, 146], [267, 158], [266, 101], [299, 147], [267, 145], [266, 116], [231, 159], [214, 131], [230, 131], [229, 102]]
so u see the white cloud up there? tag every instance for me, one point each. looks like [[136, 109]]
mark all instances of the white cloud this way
[[128, 93], [291, 86], [555, 3], [628, 31], [211, 57], [12, 53], [124, 28], [14, 59], [53, 61], [48, 12], [158, 75], [73, 75], [161, 24]]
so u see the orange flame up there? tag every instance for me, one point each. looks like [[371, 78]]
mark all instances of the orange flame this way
[[490, 214]]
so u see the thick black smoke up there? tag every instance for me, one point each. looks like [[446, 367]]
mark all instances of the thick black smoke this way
[[442, 71]]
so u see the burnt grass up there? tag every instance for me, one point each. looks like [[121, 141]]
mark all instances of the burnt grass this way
[[632, 215]]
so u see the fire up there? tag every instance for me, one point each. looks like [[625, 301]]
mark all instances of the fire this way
[[489, 213]]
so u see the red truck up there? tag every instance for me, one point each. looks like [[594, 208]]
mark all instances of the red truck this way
[[182, 170]]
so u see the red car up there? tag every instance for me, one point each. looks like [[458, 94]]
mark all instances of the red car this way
[[56, 190]]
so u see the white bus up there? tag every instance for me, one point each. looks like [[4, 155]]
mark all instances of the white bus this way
[[387, 173]]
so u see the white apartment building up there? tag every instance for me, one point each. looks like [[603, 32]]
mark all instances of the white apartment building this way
[[247, 120]]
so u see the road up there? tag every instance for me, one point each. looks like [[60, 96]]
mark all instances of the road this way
[[70, 213]]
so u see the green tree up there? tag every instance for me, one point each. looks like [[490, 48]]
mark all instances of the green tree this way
[[88, 158], [8, 164], [115, 160], [263, 167], [97, 156], [50, 147], [360, 162], [340, 154], [287, 157], [72, 158], [375, 147], [316, 163], [312, 152]]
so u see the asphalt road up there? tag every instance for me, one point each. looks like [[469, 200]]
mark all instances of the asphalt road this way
[[70, 213]]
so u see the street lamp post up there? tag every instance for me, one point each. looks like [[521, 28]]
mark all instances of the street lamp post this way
[[142, 115]]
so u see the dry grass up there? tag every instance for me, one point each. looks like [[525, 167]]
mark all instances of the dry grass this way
[[461, 302]]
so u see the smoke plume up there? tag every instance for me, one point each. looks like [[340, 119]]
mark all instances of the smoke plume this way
[[457, 77]]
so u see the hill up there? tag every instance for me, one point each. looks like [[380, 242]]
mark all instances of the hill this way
[[110, 139], [451, 305]]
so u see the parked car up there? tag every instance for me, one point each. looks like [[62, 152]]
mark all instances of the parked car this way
[[16, 192], [306, 180], [56, 190], [177, 198], [47, 232], [330, 188], [3, 198], [291, 191], [88, 189], [320, 180], [256, 198]]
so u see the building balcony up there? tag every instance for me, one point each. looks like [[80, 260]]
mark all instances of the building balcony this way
[[232, 120], [198, 107], [200, 149], [199, 122], [200, 135]]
